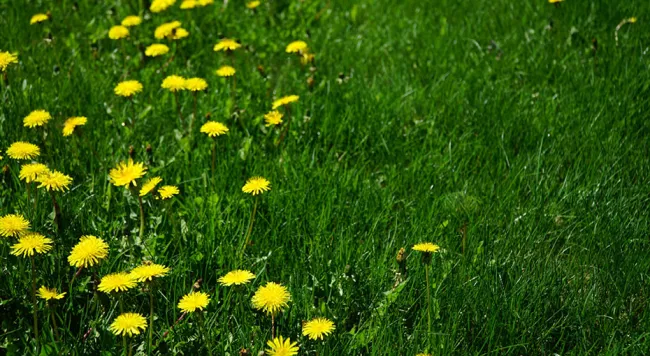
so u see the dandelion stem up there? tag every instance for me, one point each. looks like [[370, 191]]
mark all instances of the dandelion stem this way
[[272, 326], [57, 212], [193, 115], [53, 318], [34, 302], [150, 316], [286, 127], [214, 154], [202, 327], [426, 272], [178, 108], [250, 226], [130, 348], [141, 217]]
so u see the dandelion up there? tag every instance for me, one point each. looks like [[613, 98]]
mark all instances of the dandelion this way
[[167, 30], [54, 180], [71, 123], [116, 282], [256, 185], [306, 58], [196, 84], [226, 44], [189, 4], [318, 328], [296, 47], [31, 243], [36, 118], [23, 150], [213, 129], [281, 347], [49, 294], [131, 21], [205, 2], [175, 83], [179, 33], [161, 5], [193, 301], [156, 49], [38, 18], [273, 118], [88, 252], [147, 272], [285, 100], [128, 323], [13, 225], [7, 59], [253, 4], [118, 32], [168, 191], [31, 171], [226, 71], [149, 185], [126, 173], [555, 1], [128, 88], [236, 277], [427, 248], [271, 298]]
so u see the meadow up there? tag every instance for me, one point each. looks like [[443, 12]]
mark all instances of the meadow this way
[[388, 177]]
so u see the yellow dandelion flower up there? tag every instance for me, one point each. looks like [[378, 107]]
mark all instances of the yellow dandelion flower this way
[[30, 172], [426, 247], [7, 59], [226, 71], [38, 18], [149, 185], [126, 173], [116, 282], [128, 324], [13, 225], [631, 20], [253, 4], [131, 21], [189, 4], [296, 47], [273, 118], [168, 191], [128, 88], [37, 118], [166, 30], [179, 33], [196, 84], [71, 123], [306, 58], [193, 301], [318, 328], [205, 2], [23, 150], [54, 180], [554, 1], [147, 272], [161, 5], [214, 128], [282, 347], [31, 243], [49, 293], [174, 83], [118, 32], [88, 251], [285, 100], [236, 277], [226, 44], [256, 185], [271, 298], [156, 49]]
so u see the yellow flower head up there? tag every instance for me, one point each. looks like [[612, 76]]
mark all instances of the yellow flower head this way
[[214, 128], [282, 347], [256, 185], [126, 173], [193, 301], [88, 251], [49, 294], [149, 185], [205, 2], [161, 5], [54, 180], [118, 32], [168, 191], [37, 118], [426, 247], [196, 84], [131, 21], [554, 1], [166, 30], [631, 20], [306, 58], [13, 225], [236, 277], [128, 324], [272, 298], [147, 272], [117, 282], [226, 44], [253, 4], [297, 47], [156, 49], [31, 243], [6, 59], [174, 83], [23, 150], [226, 71], [71, 123], [31, 171], [273, 118], [38, 18], [128, 88], [179, 33], [318, 328], [285, 100], [189, 4]]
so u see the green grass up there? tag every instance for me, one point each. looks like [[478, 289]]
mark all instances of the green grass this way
[[497, 123]]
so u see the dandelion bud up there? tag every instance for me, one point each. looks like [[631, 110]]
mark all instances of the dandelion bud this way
[[244, 352]]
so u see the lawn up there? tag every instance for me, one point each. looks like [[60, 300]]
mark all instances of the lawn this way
[[513, 135]]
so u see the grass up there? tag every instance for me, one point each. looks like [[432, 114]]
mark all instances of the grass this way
[[512, 134]]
